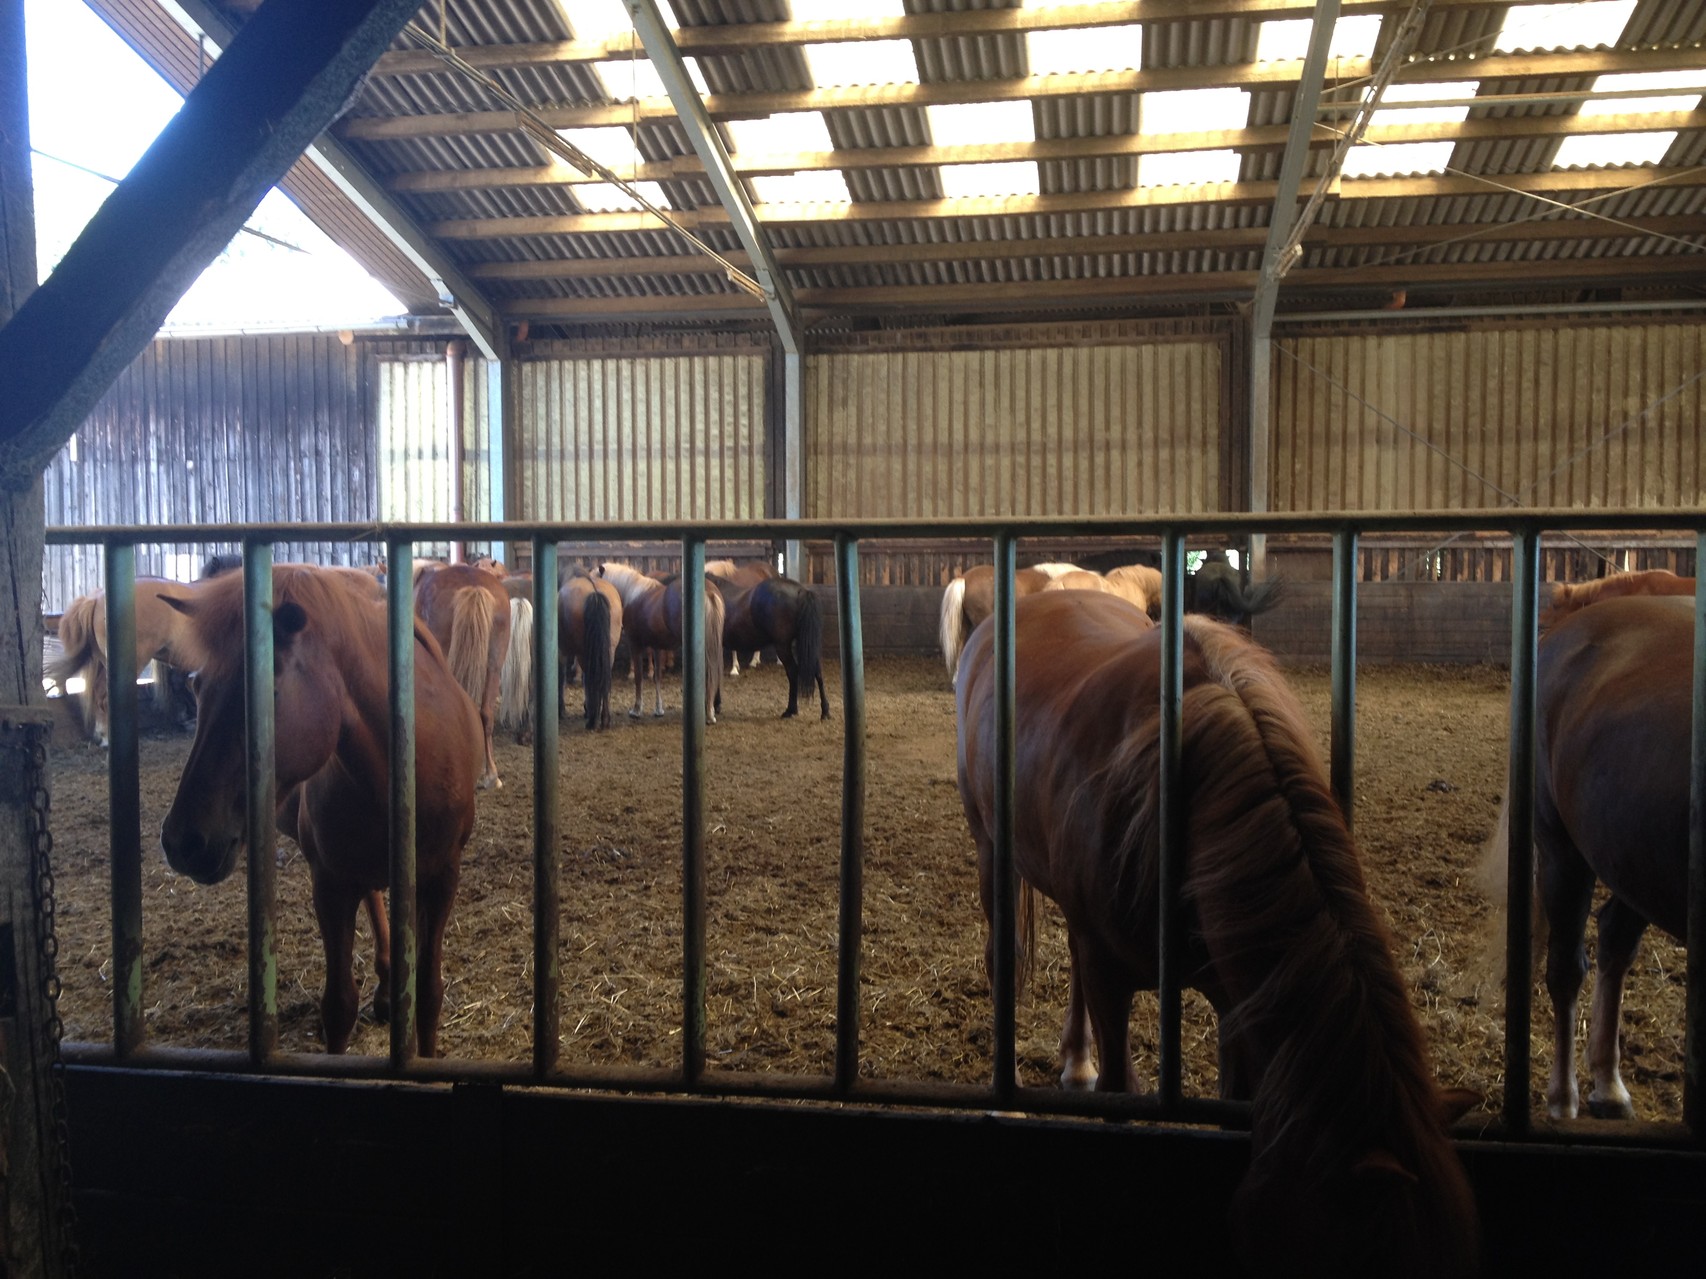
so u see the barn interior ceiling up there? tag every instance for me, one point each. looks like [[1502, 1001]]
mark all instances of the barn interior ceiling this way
[[878, 162]]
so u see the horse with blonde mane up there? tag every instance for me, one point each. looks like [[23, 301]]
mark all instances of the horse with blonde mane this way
[[970, 598], [651, 619], [83, 641], [467, 611], [331, 676], [1136, 584], [1570, 597], [1352, 1171]]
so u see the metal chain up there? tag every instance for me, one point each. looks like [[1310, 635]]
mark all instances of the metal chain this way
[[58, 1150]]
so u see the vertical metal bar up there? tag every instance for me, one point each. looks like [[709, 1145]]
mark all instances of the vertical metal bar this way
[[1519, 804], [1343, 766], [1004, 980], [1171, 781], [852, 927], [124, 797], [693, 691], [547, 925], [400, 595], [1694, 1037], [260, 799]]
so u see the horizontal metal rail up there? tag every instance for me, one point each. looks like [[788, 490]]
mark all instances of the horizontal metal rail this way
[[694, 1075]]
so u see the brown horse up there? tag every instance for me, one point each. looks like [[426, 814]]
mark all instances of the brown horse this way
[[970, 598], [1136, 584], [333, 723], [589, 629], [467, 611], [1613, 714], [651, 619], [1351, 1168], [1568, 597], [750, 573], [83, 637], [780, 612]]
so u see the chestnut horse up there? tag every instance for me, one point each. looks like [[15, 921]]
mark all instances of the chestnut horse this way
[[651, 619], [1568, 597], [467, 611], [83, 637], [970, 598], [589, 628], [331, 660], [780, 612], [749, 574], [1136, 584], [1613, 714], [1351, 1169]]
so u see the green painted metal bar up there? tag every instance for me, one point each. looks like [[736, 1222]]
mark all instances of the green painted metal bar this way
[[1004, 980], [547, 894], [693, 709], [1694, 1036], [1172, 787], [852, 914], [1342, 769], [260, 803], [1519, 804], [124, 797], [405, 943]]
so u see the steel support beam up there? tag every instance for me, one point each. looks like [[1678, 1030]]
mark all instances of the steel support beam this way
[[696, 123], [793, 459]]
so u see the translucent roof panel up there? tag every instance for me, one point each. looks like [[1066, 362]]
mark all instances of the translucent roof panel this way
[[1193, 110], [842, 10], [1398, 160], [1288, 40], [629, 79], [1612, 150], [611, 145], [1686, 79], [1018, 177], [786, 133], [866, 62], [1188, 169], [1393, 110], [825, 187], [1563, 26], [602, 19], [968, 123], [1085, 50], [602, 197]]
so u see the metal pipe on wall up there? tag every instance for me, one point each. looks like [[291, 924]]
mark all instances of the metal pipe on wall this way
[[455, 359]]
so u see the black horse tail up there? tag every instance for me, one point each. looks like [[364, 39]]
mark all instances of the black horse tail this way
[[1261, 596], [808, 647], [1220, 596], [595, 660]]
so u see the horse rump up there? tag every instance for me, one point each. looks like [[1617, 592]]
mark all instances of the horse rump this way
[[596, 673]]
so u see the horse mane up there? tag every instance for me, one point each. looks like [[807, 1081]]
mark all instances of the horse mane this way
[[1568, 597], [630, 583], [720, 568], [1054, 569], [214, 623]]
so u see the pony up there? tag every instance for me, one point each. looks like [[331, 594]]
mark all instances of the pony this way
[[1137, 584], [1569, 597], [780, 612], [651, 619], [1613, 716], [589, 628], [331, 657], [1214, 589], [467, 611], [749, 574], [970, 598], [83, 641], [367, 580], [1351, 1168]]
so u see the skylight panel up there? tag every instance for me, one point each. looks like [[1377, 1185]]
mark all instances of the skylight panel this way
[[1393, 110], [1612, 150], [867, 62], [1193, 111], [1686, 79], [603, 197], [610, 145], [996, 181], [1082, 51], [786, 133], [969, 123], [828, 186], [1288, 41], [599, 20], [631, 79], [1187, 169], [837, 10], [1563, 26], [1398, 160]]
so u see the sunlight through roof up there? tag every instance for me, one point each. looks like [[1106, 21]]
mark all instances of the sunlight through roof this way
[[844, 10], [1084, 51], [820, 187], [867, 62], [1612, 150], [1288, 40], [610, 145], [603, 197], [635, 79], [968, 123], [1685, 79], [598, 20], [1193, 110], [997, 180], [1187, 169], [1393, 110], [786, 133], [1564, 26], [1398, 160]]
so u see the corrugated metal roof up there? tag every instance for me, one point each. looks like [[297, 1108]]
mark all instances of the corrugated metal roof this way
[[1091, 232]]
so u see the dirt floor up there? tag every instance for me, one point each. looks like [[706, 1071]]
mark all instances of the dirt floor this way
[[1431, 747]]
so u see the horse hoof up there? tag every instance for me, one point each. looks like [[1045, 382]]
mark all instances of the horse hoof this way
[[491, 783], [634, 714], [524, 739], [789, 714], [657, 714], [1611, 1108]]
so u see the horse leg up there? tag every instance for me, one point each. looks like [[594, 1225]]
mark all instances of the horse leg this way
[[435, 897], [734, 664], [1620, 930], [381, 923], [657, 684], [638, 657], [790, 664], [1566, 892], [1077, 1067], [1108, 1002], [335, 910]]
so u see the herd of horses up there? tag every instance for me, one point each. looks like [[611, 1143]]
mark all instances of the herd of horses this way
[[1352, 1166]]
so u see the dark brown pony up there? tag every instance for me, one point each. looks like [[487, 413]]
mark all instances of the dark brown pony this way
[[331, 660], [970, 598], [750, 573], [778, 611], [651, 619], [589, 628], [1568, 597], [83, 639], [1614, 688], [1216, 591], [467, 611], [1351, 1169]]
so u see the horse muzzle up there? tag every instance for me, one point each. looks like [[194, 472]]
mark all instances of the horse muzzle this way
[[205, 858]]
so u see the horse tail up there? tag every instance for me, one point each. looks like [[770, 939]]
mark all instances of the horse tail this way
[[1261, 596], [808, 641], [470, 638], [595, 659], [76, 640], [1027, 935], [714, 615], [515, 684], [952, 628]]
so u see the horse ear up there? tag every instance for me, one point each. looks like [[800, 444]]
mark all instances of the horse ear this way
[[288, 621], [1454, 1103], [186, 607]]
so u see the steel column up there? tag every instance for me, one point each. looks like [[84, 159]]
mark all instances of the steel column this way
[[260, 799], [1003, 980], [547, 925], [1519, 806], [693, 709], [124, 797], [400, 620], [1343, 767], [1172, 791], [852, 921]]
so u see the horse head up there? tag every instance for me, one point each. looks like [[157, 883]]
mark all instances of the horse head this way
[[205, 829]]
